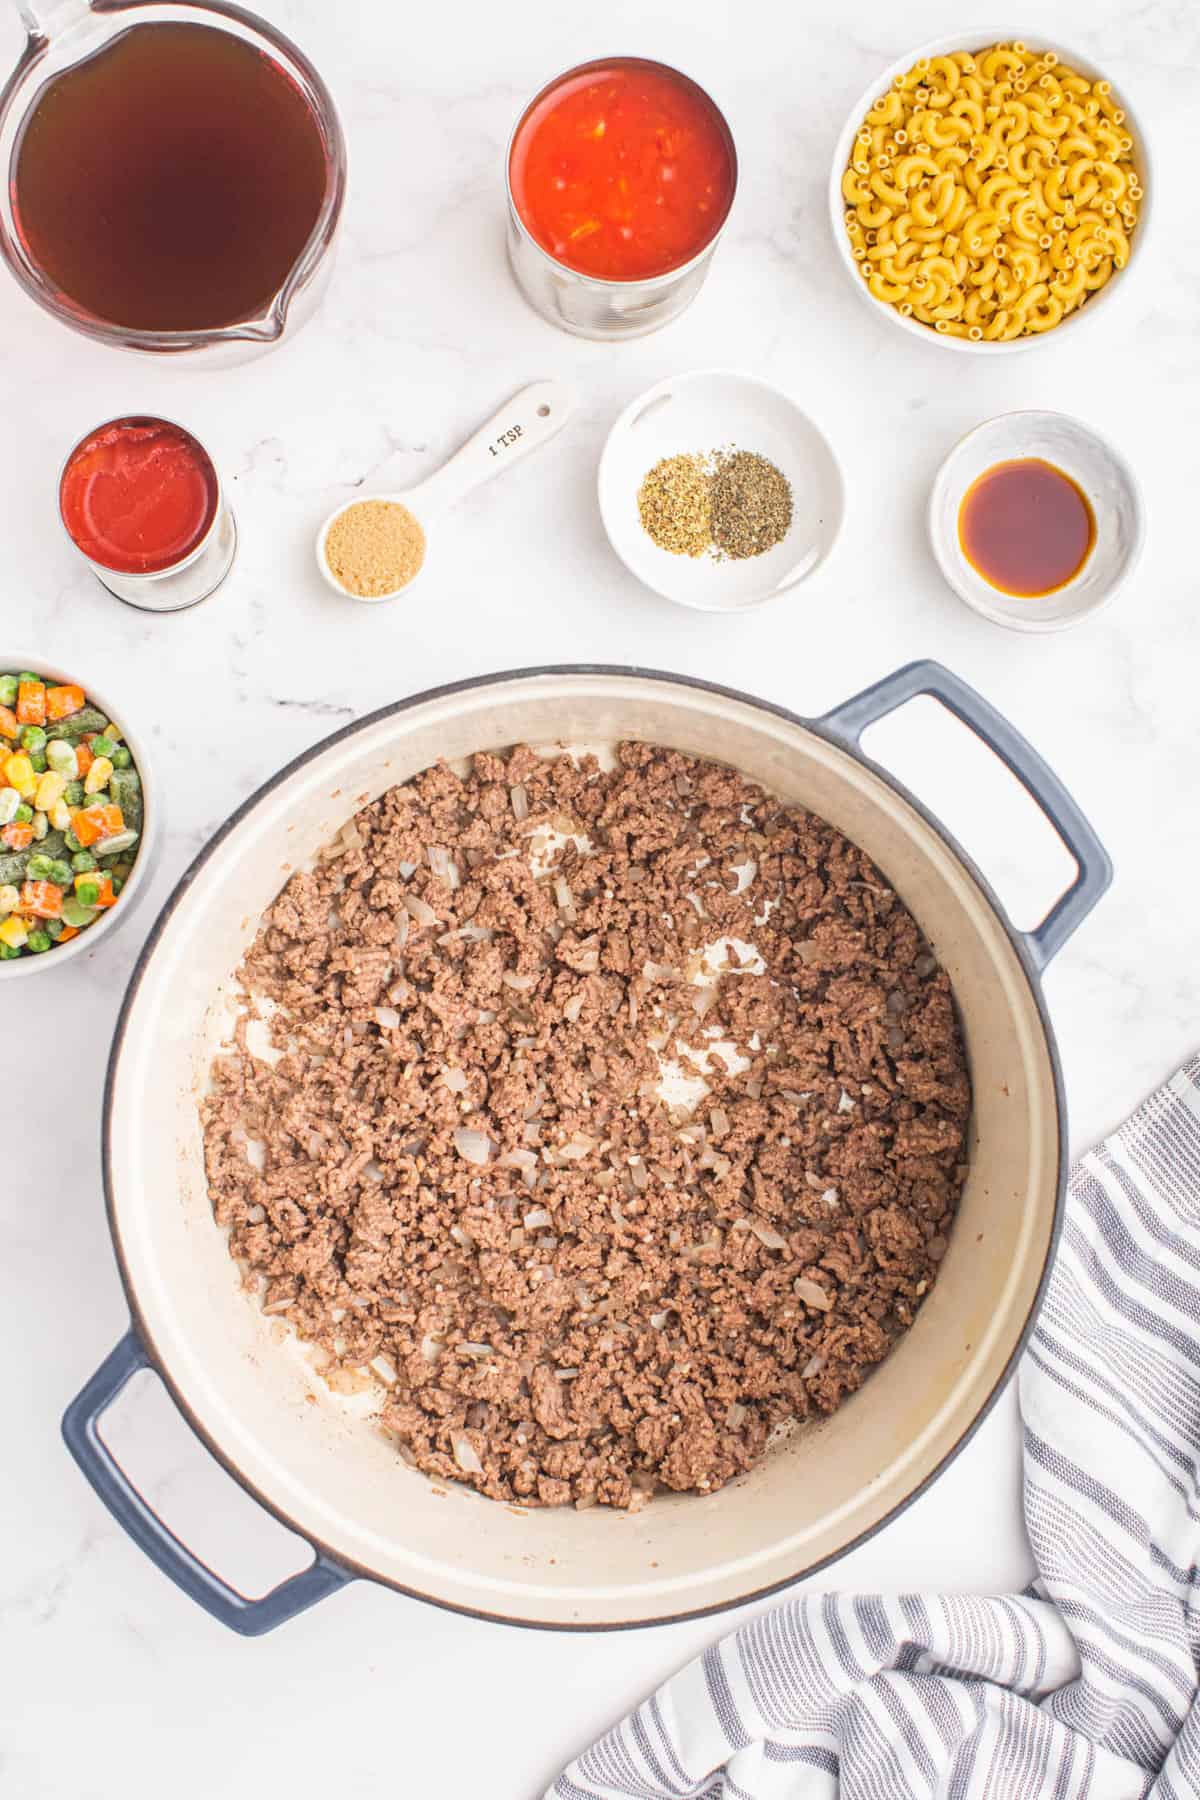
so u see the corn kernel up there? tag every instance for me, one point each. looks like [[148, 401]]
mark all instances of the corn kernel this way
[[60, 816], [19, 773], [50, 788], [41, 826], [98, 776], [14, 932], [9, 898], [111, 731]]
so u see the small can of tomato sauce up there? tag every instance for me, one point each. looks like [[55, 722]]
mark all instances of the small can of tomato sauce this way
[[620, 176], [141, 501]]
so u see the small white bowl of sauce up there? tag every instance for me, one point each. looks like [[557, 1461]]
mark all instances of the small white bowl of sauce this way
[[1036, 521]]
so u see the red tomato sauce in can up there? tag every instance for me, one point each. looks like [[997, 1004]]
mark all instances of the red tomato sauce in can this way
[[623, 170], [138, 495]]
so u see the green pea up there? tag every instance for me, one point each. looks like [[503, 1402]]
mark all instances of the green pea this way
[[7, 953], [87, 893], [33, 737], [8, 690], [117, 884], [26, 676], [23, 815], [73, 793], [60, 873], [37, 941], [120, 758], [103, 798], [55, 928], [71, 842], [103, 746], [37, 761], [38, 868], [83, 862]]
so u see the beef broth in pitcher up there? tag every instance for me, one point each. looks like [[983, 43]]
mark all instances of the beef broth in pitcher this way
[[171, 181]]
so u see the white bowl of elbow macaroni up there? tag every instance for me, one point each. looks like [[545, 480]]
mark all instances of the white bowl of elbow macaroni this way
[[1002, 273]]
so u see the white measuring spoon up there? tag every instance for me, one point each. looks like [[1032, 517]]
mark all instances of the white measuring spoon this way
[[530, 419]]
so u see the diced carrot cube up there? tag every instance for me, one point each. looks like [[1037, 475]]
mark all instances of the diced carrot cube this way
[[103, 886], [8, 722], [67, 933], [83, 757], [41, 899], [31, 703], [62, 701], [91, 823], [17, 837]]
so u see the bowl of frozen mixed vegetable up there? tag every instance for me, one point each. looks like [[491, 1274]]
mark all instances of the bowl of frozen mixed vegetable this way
[[73, 817]]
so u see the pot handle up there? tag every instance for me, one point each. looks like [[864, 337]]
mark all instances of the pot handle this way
[[251, 1618], [1094, 869]]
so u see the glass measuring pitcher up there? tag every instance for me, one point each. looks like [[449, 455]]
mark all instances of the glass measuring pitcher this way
[[181, 191]]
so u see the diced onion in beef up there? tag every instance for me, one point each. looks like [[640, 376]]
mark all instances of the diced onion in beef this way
[[812, 1367], [517, 1159], [387, 1017], [521, 984], [520, 801], [811, 1294], [718, 1121], [766, 1234], [659, 1319], [572, 1009], [385, 1369], [476, 1349], [466, 1457], [442, 864], [536, 1218], [656, 971], [472, 1146], [457, 1080], [420, 909], [735, 1415]]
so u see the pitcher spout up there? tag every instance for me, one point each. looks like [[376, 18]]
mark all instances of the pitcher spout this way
[[46, 20]]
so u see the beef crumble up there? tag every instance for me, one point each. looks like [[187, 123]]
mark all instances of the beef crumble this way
[[616, 1116]]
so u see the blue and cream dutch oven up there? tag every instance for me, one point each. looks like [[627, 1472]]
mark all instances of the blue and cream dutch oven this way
[[325, 1471]]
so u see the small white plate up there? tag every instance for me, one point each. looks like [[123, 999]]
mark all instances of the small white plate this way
[[716, 409], [1093, 464]]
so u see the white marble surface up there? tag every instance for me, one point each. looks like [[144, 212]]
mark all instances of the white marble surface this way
[[112, 1682]]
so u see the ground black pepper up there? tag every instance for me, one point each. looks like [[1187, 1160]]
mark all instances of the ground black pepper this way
[[751, 504]]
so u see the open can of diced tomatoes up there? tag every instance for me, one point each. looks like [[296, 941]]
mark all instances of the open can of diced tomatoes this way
[[620, 176], [140, 499]]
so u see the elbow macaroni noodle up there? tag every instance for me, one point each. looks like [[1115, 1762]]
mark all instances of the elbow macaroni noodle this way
[[989, 195]]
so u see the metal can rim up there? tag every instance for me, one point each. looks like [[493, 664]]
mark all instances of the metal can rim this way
[[140, 576], [620, 283]]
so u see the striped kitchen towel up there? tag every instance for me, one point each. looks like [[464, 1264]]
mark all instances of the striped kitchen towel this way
[[1083, 1688]]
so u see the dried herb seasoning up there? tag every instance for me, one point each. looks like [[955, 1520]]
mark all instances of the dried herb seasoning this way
[[727, 504], [675, 505]]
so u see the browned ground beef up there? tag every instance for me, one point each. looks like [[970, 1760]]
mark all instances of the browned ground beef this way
[[626, 1294]]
